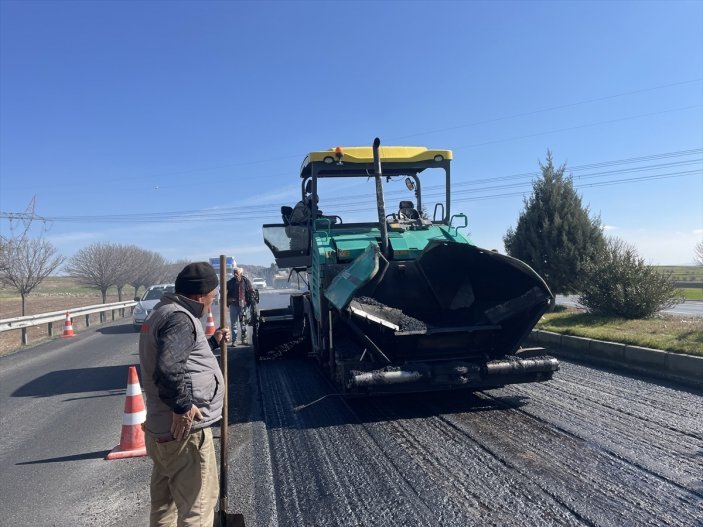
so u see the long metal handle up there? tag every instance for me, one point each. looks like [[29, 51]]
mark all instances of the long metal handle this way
[[223, 367]]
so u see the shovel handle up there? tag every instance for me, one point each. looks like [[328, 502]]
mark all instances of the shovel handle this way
[[223, 367]]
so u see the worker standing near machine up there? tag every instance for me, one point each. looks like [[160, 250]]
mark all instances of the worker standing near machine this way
[[184, 392], [240, 298]]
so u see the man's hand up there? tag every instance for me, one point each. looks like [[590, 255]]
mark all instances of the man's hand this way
[[220, 333], [182, 423]]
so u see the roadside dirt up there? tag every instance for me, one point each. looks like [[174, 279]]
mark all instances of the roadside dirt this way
[[11, 341]]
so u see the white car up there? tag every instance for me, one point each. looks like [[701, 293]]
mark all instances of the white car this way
[[258, 283], [148, 301]]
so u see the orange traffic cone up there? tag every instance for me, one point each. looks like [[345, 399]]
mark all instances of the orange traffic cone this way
[[132, 437], [210, 326], [68, 327]]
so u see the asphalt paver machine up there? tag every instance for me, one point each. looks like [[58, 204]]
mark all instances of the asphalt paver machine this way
[[405, 302]]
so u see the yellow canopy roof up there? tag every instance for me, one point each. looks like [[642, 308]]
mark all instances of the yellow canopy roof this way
[[388, 154]]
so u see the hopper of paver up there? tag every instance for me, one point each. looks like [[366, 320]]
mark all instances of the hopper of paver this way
[[454, 298], [456, 315]]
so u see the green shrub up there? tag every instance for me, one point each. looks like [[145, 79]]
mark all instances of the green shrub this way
[[619, 283]]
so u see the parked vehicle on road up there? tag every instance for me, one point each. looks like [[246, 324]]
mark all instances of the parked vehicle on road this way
[[148, 301], [258, 283]]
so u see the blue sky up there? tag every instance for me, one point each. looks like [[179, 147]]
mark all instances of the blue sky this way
[[113, 111]]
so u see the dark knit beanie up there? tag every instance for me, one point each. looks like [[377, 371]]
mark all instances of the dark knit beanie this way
[[197, 278]]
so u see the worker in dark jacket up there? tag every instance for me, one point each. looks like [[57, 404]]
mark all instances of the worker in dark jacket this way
[[240, 297], [302, 212], [184, 391]]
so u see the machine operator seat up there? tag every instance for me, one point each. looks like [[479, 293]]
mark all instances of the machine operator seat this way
[[406, 211]]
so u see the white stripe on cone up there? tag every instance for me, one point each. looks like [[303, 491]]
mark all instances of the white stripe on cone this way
[[134, 389], [136, 418]]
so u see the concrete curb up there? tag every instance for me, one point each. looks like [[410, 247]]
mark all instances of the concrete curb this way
[[686, 369]]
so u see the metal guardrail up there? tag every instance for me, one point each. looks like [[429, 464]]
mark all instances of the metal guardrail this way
[[27, 321], [688, 284]]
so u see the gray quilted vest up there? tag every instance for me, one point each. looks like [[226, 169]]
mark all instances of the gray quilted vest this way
[[203, 376]]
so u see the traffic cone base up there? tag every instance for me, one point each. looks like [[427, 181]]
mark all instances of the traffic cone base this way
[[68, 327], [132, 437]]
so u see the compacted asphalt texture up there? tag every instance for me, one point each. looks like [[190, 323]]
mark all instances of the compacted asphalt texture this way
[[586, 448]]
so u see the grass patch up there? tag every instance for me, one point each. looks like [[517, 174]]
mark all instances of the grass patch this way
[[664, 332], [64, 286], [690, 293]]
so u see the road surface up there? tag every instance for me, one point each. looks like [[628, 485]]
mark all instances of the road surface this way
[[589, 448]]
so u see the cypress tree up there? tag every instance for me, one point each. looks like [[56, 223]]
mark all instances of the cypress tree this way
[[555, 234]]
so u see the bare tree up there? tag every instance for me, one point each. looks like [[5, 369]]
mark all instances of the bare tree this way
[[25, 263], [158, 271], [140, 263], [172, 269], [4, 260], [698, 253], [98, 265], [148, 268], [125, 268]]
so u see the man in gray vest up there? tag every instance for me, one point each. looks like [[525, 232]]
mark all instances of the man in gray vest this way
[[184, 391]]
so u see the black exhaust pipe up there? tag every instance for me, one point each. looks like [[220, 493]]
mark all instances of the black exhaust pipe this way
[[380, 204]]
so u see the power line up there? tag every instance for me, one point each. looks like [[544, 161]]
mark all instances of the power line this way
[[251, 162], [586, 185], [351, 207], [549, 109], [429, 191], [578, 127], [590, 166]]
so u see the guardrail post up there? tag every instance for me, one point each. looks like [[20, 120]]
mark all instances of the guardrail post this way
[[51, 329], [25, 337]]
